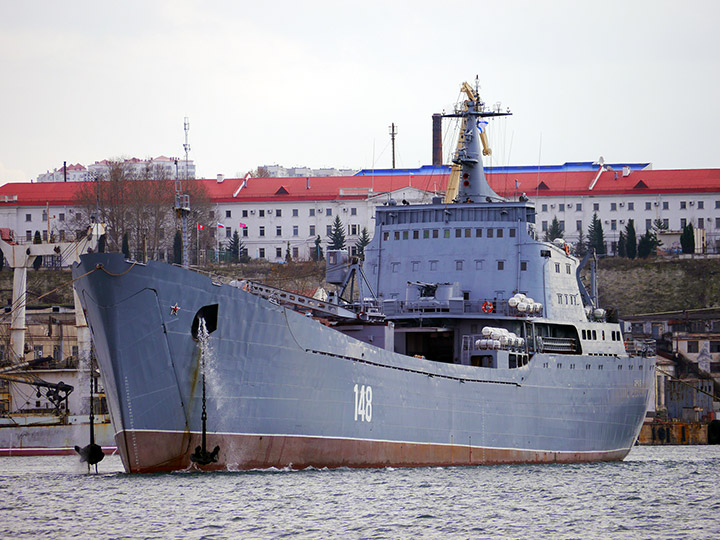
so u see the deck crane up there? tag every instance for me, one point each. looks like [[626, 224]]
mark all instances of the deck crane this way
[[473, 96]]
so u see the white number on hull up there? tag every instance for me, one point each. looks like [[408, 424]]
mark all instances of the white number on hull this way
[[363, 402]]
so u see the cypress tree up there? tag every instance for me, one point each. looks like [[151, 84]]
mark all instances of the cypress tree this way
[[126, 246], [622, 245], [631, 239], [555, 231], [687, 239], [596, 238], [37, 239]]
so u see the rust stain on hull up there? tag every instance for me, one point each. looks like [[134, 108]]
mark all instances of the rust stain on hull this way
[[169, 451]]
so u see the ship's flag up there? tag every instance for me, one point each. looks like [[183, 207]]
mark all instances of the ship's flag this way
[[243, 226], [201, 227], [220, 226]]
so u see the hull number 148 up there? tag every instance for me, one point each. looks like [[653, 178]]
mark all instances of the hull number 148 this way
[[363, 403]]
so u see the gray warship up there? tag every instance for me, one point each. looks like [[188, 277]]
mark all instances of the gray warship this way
[[461, 339]]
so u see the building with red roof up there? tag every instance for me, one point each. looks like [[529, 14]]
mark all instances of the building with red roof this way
[[274, 215]]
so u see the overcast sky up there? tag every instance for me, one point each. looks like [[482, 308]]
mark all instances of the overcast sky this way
[[318, 83]]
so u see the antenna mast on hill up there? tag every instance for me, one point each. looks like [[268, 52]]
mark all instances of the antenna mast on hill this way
[[182, 200]]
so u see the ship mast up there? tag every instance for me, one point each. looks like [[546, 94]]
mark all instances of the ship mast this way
[[182, 200]]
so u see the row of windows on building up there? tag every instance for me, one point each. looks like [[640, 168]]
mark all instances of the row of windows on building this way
[[433, 265], [447, 233], [700, 224], [353, 230], [28, 217], [278, 212], [683, 205]]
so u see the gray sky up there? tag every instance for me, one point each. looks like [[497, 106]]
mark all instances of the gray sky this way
[[317, 83]]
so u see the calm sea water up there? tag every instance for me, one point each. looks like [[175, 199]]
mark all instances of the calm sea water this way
[[657, 492]]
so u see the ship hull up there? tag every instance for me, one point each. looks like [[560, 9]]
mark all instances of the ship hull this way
[[284, 390]]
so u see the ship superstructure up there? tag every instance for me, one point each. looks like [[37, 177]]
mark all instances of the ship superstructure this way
[[461, 339]]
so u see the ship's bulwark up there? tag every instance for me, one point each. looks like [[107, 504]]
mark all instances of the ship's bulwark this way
[[284, 390]]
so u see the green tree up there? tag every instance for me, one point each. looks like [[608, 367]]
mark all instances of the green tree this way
[[126, 245], [581, 246], [234, 247], [362, 242], [647, 245], [596, 238], [687, 239], [177, 248], [37, 239], [555, 230], [631, 239], [622, 245], [336, 238]]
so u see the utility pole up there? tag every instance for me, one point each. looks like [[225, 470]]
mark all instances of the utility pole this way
[[393, 132]]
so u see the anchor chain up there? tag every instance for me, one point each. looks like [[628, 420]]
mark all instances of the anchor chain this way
[[201, 456]]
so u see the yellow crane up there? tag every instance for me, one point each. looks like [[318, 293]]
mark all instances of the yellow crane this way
[[453, 181]]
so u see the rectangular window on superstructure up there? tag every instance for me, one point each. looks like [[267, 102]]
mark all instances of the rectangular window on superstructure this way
[[489, 233], [458, 266], [513, 232], [523, 266], [426, 233], [446, 233], [433, 266], [406, 235], [500, 233], [557, 268], [416, 235], [468, 233], [478, 265], [458, 233], [436, 233], [415, 266], [397, 235], [501, 265], [478, 233], [567, 269]]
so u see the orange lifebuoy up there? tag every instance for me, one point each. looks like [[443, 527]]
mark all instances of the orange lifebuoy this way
[[488, 307], [567, 249]]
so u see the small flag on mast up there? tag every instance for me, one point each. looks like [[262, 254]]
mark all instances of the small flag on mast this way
[[220, 226], [201, 227]]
